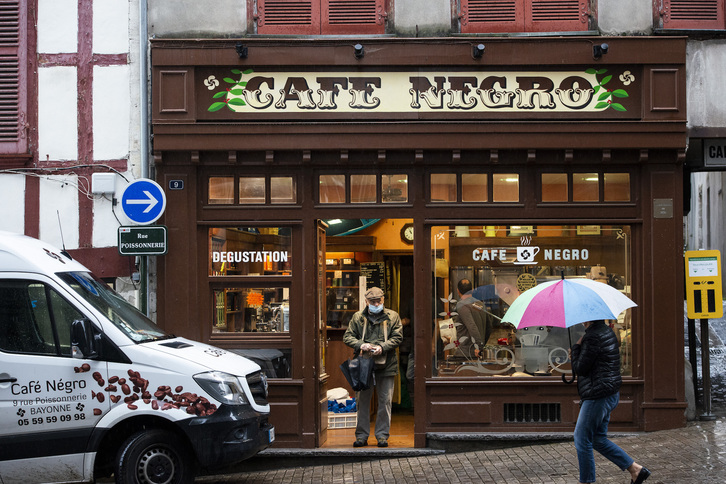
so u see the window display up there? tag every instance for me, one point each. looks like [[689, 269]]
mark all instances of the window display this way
[[490, 266], [238, 259]]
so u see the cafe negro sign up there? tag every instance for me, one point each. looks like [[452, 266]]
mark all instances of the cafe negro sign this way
[[231, 93]]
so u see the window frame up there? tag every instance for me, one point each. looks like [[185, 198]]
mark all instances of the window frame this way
[[320, 18], [664, 21], [14, 150], [525, 19]]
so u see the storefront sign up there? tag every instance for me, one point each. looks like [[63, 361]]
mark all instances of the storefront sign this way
[[714, 152], [250, 256], [594, 91]]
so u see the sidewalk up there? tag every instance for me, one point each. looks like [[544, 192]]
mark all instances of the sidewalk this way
[[695, 454]]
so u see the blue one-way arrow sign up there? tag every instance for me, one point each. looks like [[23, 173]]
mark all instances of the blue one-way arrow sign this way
[[143, 201]]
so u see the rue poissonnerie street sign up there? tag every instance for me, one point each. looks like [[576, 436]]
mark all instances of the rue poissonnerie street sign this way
[[149, 240]]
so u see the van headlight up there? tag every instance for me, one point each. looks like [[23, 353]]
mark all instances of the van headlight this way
[[222, 386]]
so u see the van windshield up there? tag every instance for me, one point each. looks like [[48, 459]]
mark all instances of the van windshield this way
[[125, 316]]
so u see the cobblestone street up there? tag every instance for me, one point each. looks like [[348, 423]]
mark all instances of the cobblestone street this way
[[691, 455]]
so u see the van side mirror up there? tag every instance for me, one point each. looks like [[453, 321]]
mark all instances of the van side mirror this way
[[84, 342]]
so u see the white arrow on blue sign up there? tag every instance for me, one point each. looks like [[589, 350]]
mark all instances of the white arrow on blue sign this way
[[143, 201]]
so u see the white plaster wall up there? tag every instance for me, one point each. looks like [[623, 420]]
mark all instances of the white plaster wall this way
[[705, 72], [57, 113], [197, 18], [57, 26], [625, 17], [427, 18], [105, 223], [110, 26], [111, 111], [59, 197], [12, 203]]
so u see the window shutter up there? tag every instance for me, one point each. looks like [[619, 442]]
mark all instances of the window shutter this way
[[13, 78], [353, 17], [693, 14], [487, 16], [557, 15], [292, 17]]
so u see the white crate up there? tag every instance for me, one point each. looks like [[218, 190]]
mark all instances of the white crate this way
[[341, 420]]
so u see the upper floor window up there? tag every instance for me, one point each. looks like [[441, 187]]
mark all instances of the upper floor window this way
[[495, 16], [320, 17], [13, 77], [691, 14]]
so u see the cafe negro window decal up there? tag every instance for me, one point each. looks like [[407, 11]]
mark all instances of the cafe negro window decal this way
[[482, 270]]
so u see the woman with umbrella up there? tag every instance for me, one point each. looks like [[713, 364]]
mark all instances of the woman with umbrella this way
[[595, 360]]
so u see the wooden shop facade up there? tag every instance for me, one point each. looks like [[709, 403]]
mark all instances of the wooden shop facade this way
[[300, 172]]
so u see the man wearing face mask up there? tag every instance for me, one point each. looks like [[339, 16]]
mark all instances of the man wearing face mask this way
[[378, 331]]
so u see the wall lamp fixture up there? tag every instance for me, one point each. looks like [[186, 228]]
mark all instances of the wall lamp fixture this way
[[477, 51], [599, 50], [241, 50], [360, 51]]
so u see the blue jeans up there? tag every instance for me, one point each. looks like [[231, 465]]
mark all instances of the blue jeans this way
[[591, 432]]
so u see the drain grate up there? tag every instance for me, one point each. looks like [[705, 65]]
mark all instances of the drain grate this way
[[532, 412]]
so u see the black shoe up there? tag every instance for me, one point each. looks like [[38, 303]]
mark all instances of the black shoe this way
[[360, 443], [642, 476], [382, 443]]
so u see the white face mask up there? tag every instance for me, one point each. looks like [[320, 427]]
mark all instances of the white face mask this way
[[375, 309]]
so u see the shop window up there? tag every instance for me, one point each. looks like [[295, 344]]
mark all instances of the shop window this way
[[505, 187], [363, 188], [238, 259], [616, 187], [554, 187], [443, 187], [250, 251], [251, 310], [395, 188], [13, 78], [332, 189], [497, 16], [585, 187], [690, 14], [221, 190], [474, 187], [471, 340], [252, 190], [316, 17], [282, 190]]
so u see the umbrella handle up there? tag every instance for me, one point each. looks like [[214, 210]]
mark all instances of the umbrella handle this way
[[564, 379]]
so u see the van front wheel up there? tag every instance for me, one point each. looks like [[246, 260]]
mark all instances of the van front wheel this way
[[153, 457]]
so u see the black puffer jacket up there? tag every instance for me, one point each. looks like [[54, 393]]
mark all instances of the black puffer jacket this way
[[596, 361]]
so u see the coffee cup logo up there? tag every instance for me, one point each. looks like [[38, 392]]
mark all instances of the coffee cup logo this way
[[525, 255]]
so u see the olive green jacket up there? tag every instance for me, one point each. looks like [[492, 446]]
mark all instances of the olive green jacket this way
[[374, 335]]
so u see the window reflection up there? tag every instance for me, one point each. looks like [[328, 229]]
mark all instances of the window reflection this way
[[221, 190], [363, 188], [474, 187], [617, 187], [443, 187], [554, 187], [251, 189], [585, 187], [506, 187], [484, 271], [332, 189]]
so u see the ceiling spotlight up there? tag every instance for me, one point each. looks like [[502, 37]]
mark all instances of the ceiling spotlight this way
[[477, 51], [241, 50], [359, 51], [599, 50]]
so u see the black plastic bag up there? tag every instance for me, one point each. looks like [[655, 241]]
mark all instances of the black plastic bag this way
[[359, 372]]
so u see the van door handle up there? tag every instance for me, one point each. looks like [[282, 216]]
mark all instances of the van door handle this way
[[8, 380]]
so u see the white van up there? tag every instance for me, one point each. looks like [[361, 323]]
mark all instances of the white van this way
[[89, 386]]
